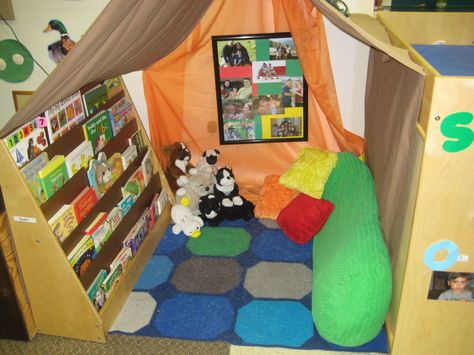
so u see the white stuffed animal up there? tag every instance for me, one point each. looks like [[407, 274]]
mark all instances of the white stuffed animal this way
[[185, 221]]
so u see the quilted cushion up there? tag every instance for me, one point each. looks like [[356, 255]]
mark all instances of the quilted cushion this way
[[273, 198], [310, 171], [352, 282], [304, 217]]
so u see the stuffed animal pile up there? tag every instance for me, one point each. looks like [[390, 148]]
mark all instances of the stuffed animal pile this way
[[205, 192]]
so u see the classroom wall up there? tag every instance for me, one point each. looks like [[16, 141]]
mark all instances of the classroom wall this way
[[348, 56]]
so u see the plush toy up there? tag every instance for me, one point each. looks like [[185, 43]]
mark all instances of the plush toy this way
[[225, 189], [208, 160], [193, 187], [178, 163], [214, 213], [185, 221]]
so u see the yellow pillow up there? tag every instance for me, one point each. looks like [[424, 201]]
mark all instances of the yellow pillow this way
[[310, 171]]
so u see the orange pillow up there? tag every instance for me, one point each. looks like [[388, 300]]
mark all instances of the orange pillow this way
[[273, 198]]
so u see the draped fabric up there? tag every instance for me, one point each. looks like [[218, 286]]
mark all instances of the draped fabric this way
[[181, 95], [127, 36]]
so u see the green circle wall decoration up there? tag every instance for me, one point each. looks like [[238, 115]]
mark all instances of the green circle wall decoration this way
[[16, 62]]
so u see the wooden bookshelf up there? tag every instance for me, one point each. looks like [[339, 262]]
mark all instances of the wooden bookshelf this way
[[58, 297]]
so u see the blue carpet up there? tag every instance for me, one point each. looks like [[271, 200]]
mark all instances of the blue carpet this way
[[274, 268]]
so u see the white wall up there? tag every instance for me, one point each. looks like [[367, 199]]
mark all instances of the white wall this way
[[348, 56]]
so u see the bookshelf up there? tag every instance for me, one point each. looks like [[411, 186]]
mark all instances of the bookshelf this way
[[58, 297]]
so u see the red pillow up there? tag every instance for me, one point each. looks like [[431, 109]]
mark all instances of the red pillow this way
[[303, 217]]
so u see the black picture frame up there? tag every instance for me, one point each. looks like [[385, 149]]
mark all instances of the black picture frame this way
[[259, 80]]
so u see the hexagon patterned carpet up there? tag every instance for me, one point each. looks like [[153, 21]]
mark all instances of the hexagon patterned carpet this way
[[243, 282]]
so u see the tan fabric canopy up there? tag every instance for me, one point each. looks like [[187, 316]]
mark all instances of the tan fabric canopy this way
[[367, 30], [127, 36]]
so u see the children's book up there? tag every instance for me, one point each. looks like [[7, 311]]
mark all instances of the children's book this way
[[98, 131], [122, 258], [99, 230], [94, 291], [134, 185], [136, 236], [30, 173], [95, 98], [64, 116], [120, 114], [162, 201], [137, 140], [147, 218], [114, 217], [111, 279], [63, 222], [84, 203], [129, 155], [53, 176], [147, 167], [99, 175], [115, 162], [82, 255], [113, 86], [26, 142], [126, 204], [79, 158]]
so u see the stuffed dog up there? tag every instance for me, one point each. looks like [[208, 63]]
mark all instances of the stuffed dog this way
[[208, 161], [178, 163]]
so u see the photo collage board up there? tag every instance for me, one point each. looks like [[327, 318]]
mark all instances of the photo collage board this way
[[260, 88]]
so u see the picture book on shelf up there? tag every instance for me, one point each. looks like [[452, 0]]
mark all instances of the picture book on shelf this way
[[114, 217], [30, 173], [113, 86], [115, 162], [146, 216], [129, 155], [63, 222], [64, 116], [84, 203], [26, 142], [95, 98], [53, 176], [95, 292], [126, 204], [99, 230], [109, 282], [136, 235], [98, 131], [134, 185], [137, 140], [82, 255], [99, 175], [79, 158], [121, 114], [122, 258], [147, 167]]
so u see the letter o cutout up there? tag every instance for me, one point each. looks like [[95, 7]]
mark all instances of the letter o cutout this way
[[450, 260]]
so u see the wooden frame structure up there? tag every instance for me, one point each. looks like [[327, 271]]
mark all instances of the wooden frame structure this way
[[58, 297], [441, 198]]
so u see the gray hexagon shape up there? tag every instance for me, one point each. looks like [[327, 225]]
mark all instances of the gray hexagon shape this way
[[279, 280], [136, 313]]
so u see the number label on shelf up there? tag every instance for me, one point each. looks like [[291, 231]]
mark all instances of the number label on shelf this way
[[24, 219]]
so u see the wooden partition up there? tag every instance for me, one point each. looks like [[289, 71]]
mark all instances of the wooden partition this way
[[441, 203]]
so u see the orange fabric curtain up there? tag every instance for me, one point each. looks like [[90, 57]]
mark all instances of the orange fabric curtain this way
[[181, 95]]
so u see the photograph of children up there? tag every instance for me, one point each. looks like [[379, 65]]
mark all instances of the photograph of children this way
[[268, 71], [268, 105], [292, 92], [282, 49], [62, 118], [235, 53], [286, 127], [451, 286], [234, 110], [239, 89], [239, 131]]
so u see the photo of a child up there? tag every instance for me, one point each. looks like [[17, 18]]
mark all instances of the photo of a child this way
[[451, 286]]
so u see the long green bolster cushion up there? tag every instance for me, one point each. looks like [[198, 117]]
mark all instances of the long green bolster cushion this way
[[352, 281]]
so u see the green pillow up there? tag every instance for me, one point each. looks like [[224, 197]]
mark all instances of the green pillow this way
[[352, 282], [310, 171]]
